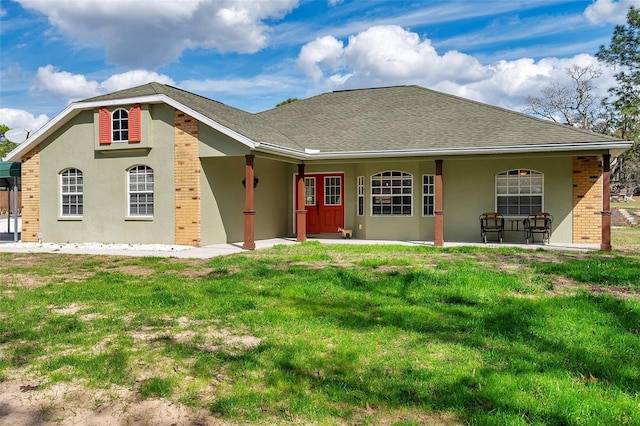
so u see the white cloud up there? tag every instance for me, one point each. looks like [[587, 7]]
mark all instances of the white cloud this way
[[609, 11], [64, 84], [390, 55], [325, 51], [139, 33], [17, 119], [72, 87], [133, 78]]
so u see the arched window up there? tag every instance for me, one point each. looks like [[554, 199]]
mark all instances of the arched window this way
[[519, 192], [71, 190], [120, 125], [140, 191], [391, 193]]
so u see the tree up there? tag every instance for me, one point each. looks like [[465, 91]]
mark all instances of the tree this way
[[624, 55], [5, 144], [288, 101], [574, 104]]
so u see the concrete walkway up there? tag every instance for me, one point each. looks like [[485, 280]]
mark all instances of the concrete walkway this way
[[207, 252]]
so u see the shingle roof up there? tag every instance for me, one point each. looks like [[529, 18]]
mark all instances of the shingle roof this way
[[412, 117], [399, 118], [242, 122]]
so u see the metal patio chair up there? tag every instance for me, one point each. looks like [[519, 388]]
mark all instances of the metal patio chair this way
[[538, 223], [491, 222]]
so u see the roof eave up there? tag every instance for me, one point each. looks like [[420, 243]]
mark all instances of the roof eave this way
[[615, 148], [74, 108]]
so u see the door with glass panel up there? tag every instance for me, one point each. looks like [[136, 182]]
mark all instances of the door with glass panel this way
[[324, 202]]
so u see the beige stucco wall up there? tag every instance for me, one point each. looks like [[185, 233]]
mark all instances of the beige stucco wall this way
[[469, 190], [223, 199], [105, 191]]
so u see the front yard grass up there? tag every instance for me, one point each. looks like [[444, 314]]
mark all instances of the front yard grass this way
[[315, 334]]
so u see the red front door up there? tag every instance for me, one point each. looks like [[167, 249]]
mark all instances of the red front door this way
[[324, 202]]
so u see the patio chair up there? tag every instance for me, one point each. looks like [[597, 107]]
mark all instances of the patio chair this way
[[491, 222], [538, 223]]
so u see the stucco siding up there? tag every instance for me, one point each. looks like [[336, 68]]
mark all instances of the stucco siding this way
[[105, 182], [468, 191], [223, 199], [216, 144]]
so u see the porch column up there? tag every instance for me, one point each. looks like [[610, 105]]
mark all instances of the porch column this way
[[301, 212], [438, 239], [249, 212], [605, 243]]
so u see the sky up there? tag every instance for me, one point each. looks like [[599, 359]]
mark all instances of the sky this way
[[254, 54]]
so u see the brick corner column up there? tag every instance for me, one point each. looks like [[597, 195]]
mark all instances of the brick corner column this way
[[605, 244], [438, 239], [30, 170], [301, 212], [187, 185], [249, 212]]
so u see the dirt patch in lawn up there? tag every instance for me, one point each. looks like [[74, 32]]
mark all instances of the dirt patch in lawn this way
[[25, 401], [564, 286], [210, 339], [25, 280]]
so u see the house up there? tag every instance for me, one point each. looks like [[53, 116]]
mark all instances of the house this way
[[156, 164]]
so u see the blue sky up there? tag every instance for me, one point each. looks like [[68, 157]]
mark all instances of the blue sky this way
[[254, 54]]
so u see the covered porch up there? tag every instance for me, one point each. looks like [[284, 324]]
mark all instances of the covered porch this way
[[443, 200], [10, 205]]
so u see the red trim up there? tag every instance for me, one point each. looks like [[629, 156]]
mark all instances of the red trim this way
[[104, 126], [135, 127]]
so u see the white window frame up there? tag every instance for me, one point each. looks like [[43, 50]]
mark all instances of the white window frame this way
[[428, 195], [331, 198], [119, 122], [72, 191], [140, 188], [519, 184], [385, 193], [310, 199], [360, 196]]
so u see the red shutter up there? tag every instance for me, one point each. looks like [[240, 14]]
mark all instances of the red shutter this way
[[135, 131], [104, 126]]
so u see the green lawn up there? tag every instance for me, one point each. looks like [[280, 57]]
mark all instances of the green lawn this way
[[313, 334]]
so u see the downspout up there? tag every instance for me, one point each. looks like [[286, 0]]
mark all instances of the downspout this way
[[438, 231], [605, 244], [15, 209]]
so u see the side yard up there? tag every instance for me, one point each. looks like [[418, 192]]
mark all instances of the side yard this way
[[315, 334]]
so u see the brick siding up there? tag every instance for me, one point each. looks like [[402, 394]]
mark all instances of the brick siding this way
[[587, 199], [31, 195], [187, 180]]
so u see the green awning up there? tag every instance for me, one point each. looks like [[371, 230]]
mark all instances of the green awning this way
[[9, 169]]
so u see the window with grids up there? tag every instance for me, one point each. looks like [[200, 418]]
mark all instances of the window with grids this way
[[120, 125], [428, 195], [140, 191], [360, 191], [309, 191], [391, 193], [332, 191], [519, 192], [71, 190]]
